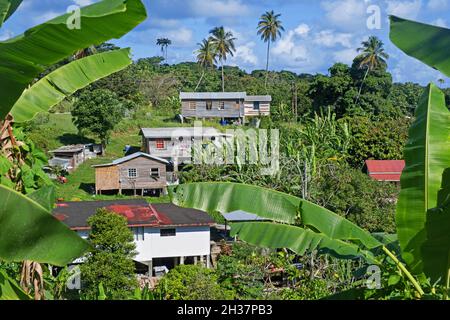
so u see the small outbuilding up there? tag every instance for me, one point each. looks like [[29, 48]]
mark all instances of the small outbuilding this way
[[385, 170], [139, 173]]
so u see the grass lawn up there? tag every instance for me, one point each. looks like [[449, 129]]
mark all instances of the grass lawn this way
[[60, 130]]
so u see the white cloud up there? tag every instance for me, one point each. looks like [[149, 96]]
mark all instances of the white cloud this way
[[328, 38], [437, 4], [440, 23], [83, 2], [180, 37], [5, 35], [409, 9], [245, 55], [310, 51], [302, 30], [345, 56], [346, 14]]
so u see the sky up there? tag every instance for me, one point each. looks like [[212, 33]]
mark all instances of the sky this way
[[317, 34]]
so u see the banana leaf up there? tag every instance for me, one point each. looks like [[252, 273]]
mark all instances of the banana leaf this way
[[7, 8], [61, 83], [300, 241], [436, 247], [429, 44], [23, 58], [29, 232], [44, 196], [9, 289], [427, 155], [272, 205]]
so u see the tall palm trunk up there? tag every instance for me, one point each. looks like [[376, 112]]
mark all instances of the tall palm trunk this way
[[362, 84], [267, 64], [200, 81], [223, 78]]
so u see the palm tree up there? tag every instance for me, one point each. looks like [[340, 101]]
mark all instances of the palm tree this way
[[270, 28], [164, 43], [372, 56], [223, 42], [206, 57]]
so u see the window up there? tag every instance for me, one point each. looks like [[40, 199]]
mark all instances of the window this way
[[138, 234], [168, 232], [237, 106], [132, 173], [256, 105], [154, 172], [192, 105], [221, 105], [160, 144], [209, 105]]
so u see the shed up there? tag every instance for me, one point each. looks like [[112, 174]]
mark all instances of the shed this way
[[385, 170]]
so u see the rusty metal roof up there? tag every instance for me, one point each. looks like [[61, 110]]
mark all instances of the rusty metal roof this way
[[138, 212]]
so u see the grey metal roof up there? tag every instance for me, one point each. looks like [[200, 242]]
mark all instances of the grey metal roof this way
[[239, 215], [69, 149], [259, 98], [212, 95], [175, 132], [131, 157]]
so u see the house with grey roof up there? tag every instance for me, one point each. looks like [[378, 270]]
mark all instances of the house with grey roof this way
[[139, 174], [71, 156], [176, 142], [230, 106]]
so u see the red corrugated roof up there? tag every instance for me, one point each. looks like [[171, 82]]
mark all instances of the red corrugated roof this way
[[385, 170]]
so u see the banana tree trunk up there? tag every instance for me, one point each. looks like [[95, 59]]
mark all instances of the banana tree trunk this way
[[7, 139]]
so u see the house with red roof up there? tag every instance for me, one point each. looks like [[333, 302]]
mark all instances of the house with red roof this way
[[385, 170], [164, 234]]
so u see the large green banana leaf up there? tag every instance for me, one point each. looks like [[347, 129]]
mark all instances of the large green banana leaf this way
[[436, 247], [29, 232], [9, 289], [427, 155], [7, 8], [427, 43], [272, 205], [44, 196], [300, 241], [24, 57], [59, 84]]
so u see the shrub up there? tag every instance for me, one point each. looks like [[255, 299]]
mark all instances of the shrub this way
[[191, 282]]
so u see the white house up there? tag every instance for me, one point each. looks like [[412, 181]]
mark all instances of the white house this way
[[165, 234]]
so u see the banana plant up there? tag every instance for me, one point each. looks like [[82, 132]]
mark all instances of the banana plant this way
[[423, 213], [28, 231], [291, 223]]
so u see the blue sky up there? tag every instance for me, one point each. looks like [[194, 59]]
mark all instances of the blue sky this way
[[318, 32]]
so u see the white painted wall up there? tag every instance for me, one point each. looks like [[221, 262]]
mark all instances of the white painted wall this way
[[188, 242], [192, 241]]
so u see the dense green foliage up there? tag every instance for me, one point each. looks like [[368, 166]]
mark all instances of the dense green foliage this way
[[111, 260], [191, 282], [98, 112]]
